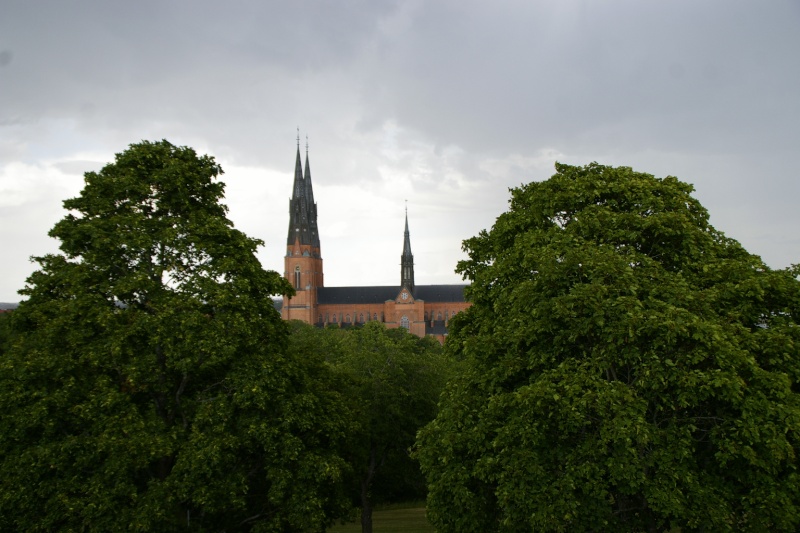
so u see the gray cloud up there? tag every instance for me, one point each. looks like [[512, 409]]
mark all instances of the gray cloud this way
[[445, 103]]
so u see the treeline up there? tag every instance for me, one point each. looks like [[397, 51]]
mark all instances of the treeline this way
[[624, 366], [148, 384]]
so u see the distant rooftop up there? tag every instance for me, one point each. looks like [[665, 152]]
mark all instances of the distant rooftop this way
[[379, 294]]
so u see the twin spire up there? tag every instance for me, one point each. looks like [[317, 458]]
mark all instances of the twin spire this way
[[303, 219], [302, 208]]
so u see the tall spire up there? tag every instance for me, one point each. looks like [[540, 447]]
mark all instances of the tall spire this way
[[407, 260], [308, 190], [310, 203], [297, 188], [302, 209]]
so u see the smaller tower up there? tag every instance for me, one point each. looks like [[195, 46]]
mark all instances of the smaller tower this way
[[407, 261]]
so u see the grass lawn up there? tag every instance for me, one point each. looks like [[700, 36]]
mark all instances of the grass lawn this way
[[408, 520]]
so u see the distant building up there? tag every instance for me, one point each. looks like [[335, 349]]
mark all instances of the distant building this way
[[421, 309], [5, 307]]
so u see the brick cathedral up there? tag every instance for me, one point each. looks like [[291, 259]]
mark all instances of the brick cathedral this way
[[421, 309]]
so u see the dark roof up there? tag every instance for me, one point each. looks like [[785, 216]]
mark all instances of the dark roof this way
[[438, 328], [381, 293], [440, 293], [356, 295]]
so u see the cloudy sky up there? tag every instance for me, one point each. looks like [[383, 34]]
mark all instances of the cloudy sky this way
[[445, 104]]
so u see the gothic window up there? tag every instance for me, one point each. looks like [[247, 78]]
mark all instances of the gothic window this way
[[327, 317], [439, 316], [361, 317], [404, 322], [334, 318], [446, 315], [348, 318], [297, 277], [375, 316]]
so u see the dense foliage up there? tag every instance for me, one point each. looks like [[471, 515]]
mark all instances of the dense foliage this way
[[627, 368], [5, 333], [148, 386], [391, 381]]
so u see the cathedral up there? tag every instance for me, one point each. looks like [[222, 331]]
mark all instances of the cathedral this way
[[421, 309]]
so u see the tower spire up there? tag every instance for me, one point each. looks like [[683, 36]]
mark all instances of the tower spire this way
[[311, 205], [407, 260], [303, 259], [302, 208]]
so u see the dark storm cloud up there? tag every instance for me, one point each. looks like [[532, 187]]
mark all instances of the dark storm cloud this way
[[176, 64], [504, 77], [489, 78]]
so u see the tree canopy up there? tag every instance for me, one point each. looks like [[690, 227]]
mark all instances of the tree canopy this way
[[391, 381], [147, 385], [627, 367]]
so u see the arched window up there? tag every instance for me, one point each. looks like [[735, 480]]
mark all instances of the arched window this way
[[404, 322], [334, 318], [297, 277], [446, 315], [348, 318], [439, 316], [375, 316], [361, 317]]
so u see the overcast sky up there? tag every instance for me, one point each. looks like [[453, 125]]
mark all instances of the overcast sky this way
[[445, 104]]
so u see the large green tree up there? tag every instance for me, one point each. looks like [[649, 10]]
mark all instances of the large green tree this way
[[627, 368], [391, 381], [148, 385]]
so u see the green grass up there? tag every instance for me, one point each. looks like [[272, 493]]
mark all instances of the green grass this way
[[392, 520]]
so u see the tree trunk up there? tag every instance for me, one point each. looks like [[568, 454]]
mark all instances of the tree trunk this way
[[366, 513], [366, 483]]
